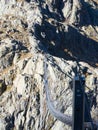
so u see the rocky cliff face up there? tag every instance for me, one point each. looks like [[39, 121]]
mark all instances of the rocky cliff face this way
[[62, 31]]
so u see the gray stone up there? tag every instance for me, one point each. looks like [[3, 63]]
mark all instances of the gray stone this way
[[62, 31]]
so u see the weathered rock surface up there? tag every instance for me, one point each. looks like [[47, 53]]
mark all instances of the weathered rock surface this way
[[64, 33]]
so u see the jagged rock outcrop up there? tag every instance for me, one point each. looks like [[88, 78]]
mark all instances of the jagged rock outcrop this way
[[62, 32], [9, 49]]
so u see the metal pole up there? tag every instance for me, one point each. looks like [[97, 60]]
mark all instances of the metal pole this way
[[78, 105]]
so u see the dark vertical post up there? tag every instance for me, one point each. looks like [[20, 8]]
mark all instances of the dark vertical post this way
[[78, 105]]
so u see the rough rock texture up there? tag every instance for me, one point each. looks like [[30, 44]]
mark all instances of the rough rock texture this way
[[62, 31]]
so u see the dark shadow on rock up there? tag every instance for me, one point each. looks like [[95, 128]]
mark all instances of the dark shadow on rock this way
[[17, 46], [88, 15], [67, 42], [56, 5], [3, 87], [10, 122]]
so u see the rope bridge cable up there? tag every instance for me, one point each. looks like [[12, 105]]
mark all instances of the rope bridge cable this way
[[60, 116]]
